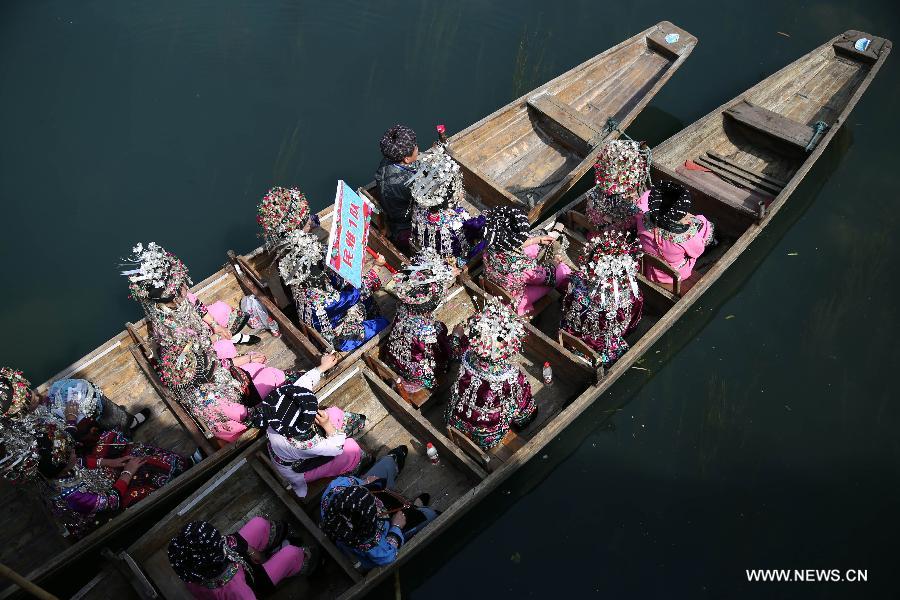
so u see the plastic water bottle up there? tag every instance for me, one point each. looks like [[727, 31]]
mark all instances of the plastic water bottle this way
[[432, 453], [547, 373]]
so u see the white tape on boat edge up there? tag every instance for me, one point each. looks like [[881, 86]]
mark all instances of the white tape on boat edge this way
[[339, 383], [88, 363], [212, 284]]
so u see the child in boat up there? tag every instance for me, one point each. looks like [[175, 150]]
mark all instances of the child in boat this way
[[419, 347], [511, 258], [365, 518], [85, 491], [18, 399], [345, 316], [621, 175], [604, 303], [438, 220], [256, 559], [393, 177], [492, 393], [669, 231], [307, 443]]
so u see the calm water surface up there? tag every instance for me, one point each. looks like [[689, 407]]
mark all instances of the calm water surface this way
[[760, 432]]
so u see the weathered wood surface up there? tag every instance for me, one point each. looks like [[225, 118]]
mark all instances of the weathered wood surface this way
[[532, 150]]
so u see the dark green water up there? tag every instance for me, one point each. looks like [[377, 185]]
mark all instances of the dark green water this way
[[763, 432]]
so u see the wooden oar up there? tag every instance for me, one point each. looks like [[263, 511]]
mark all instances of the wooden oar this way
[[26, 584]]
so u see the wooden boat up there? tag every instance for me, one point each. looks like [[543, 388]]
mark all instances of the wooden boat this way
[[531, 151], [826, 84]]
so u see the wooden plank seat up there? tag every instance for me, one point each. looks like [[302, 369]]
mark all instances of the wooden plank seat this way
[[751, 203], [492, 459], [565, 123], [772, 124]]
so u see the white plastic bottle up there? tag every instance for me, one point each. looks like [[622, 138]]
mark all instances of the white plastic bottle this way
[[432, 453], [547, 373]]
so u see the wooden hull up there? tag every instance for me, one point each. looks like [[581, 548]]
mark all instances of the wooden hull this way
[[469, 476], [531, 151]]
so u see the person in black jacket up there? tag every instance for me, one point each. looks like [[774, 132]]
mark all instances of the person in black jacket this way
[[397, 168]]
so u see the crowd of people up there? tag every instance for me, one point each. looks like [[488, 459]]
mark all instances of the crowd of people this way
[[80, 444]]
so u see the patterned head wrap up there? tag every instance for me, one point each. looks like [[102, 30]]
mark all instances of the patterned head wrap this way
[[290, 410], [352, 516], [506, 228], [495, 333], [19, 450], [622, 168], [301, 256], [609, 265], [427, 279], [158, 276], [184, 367], [54, 449], [669, 202], [15, 392], [398, 142], [438, 179], [198, 552], [281, 211]]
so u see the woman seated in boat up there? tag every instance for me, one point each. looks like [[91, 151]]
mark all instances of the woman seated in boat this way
[[604, 303], [438, 220], [621, 175], [86, 491], [511, 258], [306, 442], [256, 559], [18, 399], [369, 521], [217, 392], [160, 284], [420, 347], [492, 394], [393, 177], [345, 316], [669, 231]]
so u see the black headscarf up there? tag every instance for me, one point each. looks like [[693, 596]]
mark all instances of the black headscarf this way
[[669, 202], [506, 228], [290, 410], [351, 517], [398, 142], [197, 553]]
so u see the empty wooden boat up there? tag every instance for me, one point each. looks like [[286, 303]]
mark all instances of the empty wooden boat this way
[[531, 151]]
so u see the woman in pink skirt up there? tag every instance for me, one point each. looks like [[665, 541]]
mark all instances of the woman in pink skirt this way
[[510, 259], [669, 231], [307, 443], [238, 566]]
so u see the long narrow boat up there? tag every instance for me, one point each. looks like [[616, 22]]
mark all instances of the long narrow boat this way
[[765, 137]]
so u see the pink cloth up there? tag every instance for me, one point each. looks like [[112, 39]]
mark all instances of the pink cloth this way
[[534, 281], [284, 563], [679, 250], [265, 378], [226, 418]]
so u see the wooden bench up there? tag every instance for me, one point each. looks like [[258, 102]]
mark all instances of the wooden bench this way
[[565, 123], [772, 124], [491, 459]]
